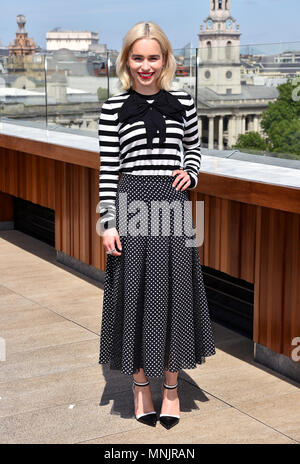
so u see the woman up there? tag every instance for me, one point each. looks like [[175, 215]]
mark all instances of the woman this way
[[155, 318]]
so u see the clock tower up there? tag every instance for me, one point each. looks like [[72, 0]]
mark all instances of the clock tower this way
[[219, 50]]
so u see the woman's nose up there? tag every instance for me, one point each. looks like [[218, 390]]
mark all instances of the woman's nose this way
[[145, 66]]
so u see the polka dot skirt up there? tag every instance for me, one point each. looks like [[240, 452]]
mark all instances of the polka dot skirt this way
[[155, 313]]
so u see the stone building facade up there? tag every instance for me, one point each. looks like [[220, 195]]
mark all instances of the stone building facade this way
[[227, 106]]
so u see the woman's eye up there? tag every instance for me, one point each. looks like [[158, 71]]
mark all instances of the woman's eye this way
[[138, 59]]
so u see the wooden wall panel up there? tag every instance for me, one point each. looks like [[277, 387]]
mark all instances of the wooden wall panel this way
[[98, 256], [85, 226], [46, 171], [72, 176], [6, 207], [64, 197], [229, 236], [49, 150], [76, 200], [277, 280], [248, 242], [58, 173], [291, 296], [21, 169], [273, 196], [28, 177]]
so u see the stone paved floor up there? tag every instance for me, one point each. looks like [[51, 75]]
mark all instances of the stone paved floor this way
[[52, 389]]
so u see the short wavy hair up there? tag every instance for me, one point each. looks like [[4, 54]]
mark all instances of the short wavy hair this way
[[146, 30]]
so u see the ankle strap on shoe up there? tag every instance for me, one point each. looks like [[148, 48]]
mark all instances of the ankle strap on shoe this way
[[170, 386], [141, 384]]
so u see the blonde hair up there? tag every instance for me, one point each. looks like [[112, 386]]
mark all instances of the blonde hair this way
[[146, 30]]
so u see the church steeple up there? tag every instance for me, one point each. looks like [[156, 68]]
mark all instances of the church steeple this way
[[219, 18], [219, 7], [219, 50]]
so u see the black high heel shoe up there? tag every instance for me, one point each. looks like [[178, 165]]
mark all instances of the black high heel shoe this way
[[169, 420], [149, 418]]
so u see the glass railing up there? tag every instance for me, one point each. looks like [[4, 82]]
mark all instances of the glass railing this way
[[247, 97]]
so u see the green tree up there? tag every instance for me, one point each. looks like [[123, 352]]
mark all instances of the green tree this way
[[280, 123], [252, 140], [102, 94], [281, 120], [286, 137]]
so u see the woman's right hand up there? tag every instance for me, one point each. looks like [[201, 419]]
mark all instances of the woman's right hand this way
[[111, 240]]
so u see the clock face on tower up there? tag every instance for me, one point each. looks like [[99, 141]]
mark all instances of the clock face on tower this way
[[229, 23], [210, 24]]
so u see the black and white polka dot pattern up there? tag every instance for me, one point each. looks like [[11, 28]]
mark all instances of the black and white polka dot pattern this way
[[155, 312]]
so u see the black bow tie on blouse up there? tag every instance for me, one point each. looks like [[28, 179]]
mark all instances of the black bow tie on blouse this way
[[136, 108]]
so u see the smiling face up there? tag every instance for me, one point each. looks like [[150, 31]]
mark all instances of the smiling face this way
[[145, 63]]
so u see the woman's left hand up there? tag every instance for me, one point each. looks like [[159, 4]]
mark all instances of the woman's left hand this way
[[183, 178]]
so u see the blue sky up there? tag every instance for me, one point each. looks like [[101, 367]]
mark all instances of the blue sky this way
[[261, 21]]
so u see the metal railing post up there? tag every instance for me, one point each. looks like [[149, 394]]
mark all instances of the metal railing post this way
[[46, 99], [196, 76]]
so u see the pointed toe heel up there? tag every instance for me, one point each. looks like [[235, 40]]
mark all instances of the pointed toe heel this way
[[149, 418], [169, 420]]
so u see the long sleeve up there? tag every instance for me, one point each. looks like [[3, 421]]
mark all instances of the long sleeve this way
[[191, 145], [109, 165]]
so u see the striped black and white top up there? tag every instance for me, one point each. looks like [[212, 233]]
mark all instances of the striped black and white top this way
[[123, 148]]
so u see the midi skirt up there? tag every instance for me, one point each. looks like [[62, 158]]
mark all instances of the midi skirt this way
[[155, 313]]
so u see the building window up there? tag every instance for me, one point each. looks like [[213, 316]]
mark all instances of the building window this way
[[209, 50], [229, 74], [228, 50], [207, 74]]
